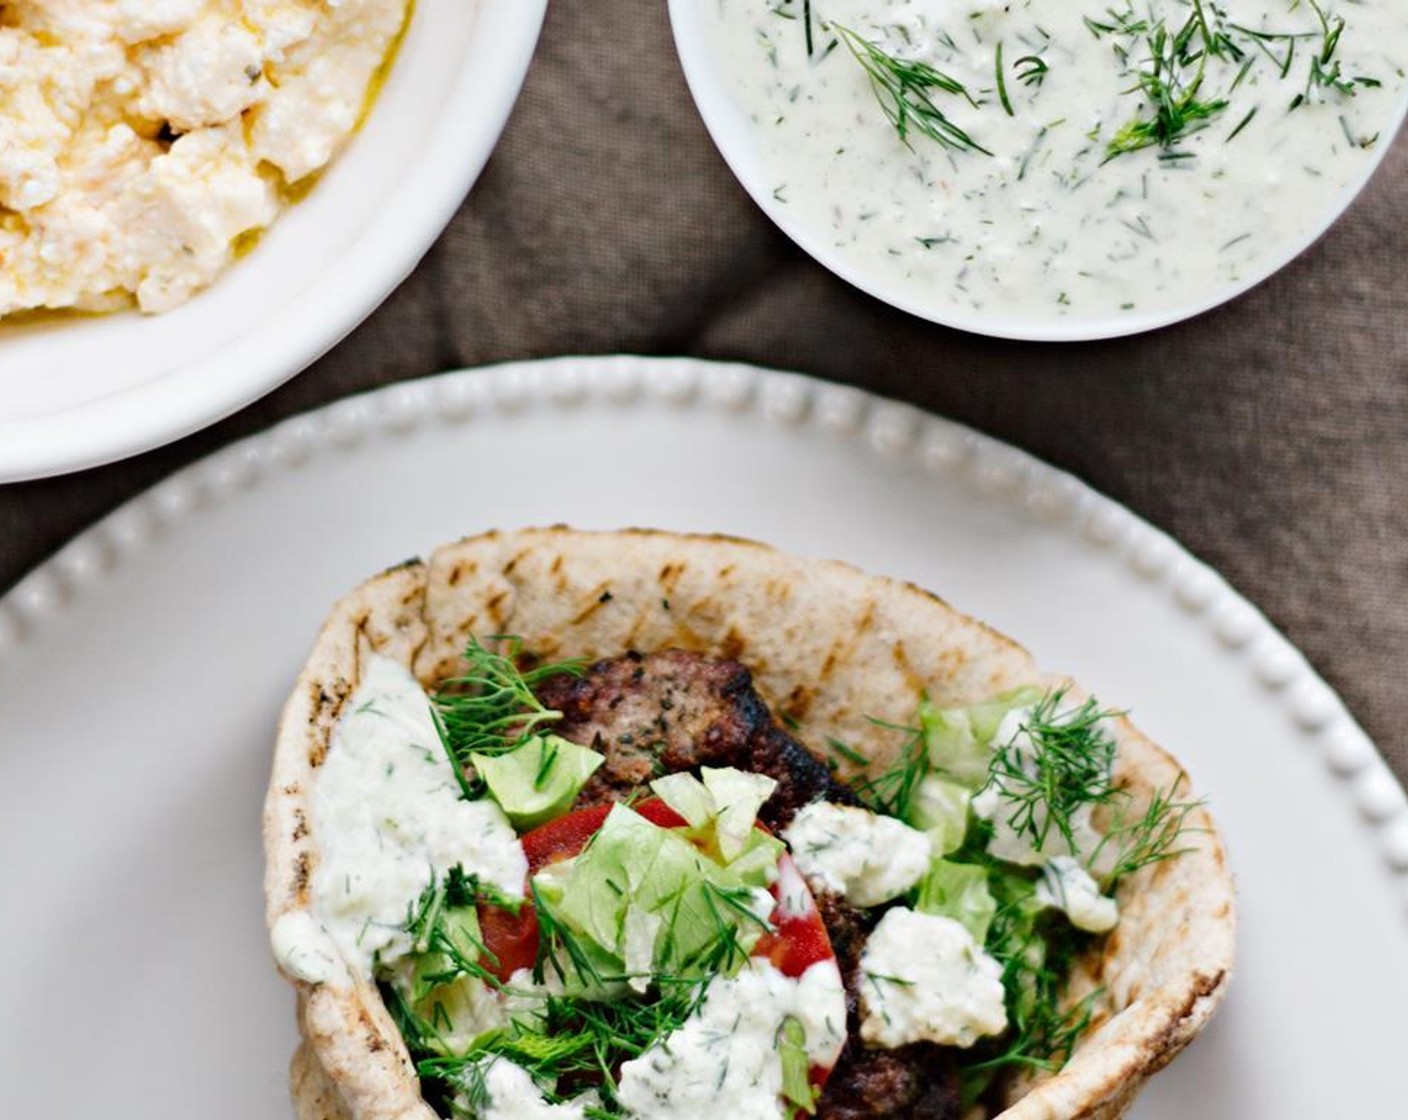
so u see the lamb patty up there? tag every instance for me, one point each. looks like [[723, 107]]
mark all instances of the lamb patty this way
[[660, 713]]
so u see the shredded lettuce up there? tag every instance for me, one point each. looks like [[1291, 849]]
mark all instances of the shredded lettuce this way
[[797, 1087], [958, 891], [960, 740], [939, 809], [708, 916]]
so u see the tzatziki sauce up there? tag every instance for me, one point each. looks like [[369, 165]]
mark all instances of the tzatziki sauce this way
[[724, 1060], [390, 819], [1087, 160]]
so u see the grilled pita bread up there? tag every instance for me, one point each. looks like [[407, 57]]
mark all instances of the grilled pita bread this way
[[830, 647]]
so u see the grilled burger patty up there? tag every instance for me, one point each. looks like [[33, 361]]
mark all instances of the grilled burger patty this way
[[660, 713]]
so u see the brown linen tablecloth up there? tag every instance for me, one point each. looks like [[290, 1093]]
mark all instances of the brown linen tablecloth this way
[[1271, 436]]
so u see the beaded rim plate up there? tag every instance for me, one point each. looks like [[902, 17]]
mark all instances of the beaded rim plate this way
[[143, 667]]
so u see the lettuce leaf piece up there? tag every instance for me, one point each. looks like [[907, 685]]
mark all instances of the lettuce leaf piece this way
[[939, 809], [797, 1087], [960, 740], [539, 779], [709, 917], [958, 891], [721, 809]]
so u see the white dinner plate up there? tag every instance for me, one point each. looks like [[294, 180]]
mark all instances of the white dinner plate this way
[[76, 392], [142, 671]]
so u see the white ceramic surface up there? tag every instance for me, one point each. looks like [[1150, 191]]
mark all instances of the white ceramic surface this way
[[78, 392], [142, 671], [736, 138]]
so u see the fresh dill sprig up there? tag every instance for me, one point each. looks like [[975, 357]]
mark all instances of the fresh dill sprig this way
[[1031, 69], [491, 708], [562, 951], [892, 792], [1151, 836], [1071, 770], [1326, 71], [449, 943], [906, 88], [569, 1045], [1066, 770], [1171, 81], [1036, 952], [1002, 84]]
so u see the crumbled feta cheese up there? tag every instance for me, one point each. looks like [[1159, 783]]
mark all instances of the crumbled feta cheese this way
[[322, 83], [1067, 886], [725, 1058], [98, 207], [211, 72], [389, 817], [866, 857], [924, 978], [187, 211]]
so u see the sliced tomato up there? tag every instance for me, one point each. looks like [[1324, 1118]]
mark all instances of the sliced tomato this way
[[798, 939]]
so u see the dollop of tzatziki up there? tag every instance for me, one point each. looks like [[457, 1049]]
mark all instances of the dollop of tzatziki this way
[[1084, 159], [724, 1060], [863, 856], [924, 978], [512, 1095], [1068, 886], [391, 818]]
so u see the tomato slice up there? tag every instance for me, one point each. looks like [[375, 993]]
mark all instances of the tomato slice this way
[[798, 939]]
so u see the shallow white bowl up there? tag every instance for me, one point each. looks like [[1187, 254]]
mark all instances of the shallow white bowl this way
[[736, 139], [78, 392]]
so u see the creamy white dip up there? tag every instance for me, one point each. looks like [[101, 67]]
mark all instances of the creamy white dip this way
[[513, 1095], [724, 1061], [1052, 224], [390, 819], [1068, 886], [924, 978], [863, 856], [141, 140]]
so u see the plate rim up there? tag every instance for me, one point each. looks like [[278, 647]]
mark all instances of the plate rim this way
[[893, 431], [183, 401]]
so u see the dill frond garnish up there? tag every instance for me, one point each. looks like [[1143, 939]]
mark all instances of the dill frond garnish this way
[[906, 89], [571, 1044], [892, 792], [1152, 836], [1031, 70], [1036, 952], [1065, 767], [1171, 81], [1002, 84], [1171, 78], [491, 708], [1068, 770]]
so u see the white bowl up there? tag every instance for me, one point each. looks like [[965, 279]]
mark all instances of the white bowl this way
[[736, 138], [77, 392]]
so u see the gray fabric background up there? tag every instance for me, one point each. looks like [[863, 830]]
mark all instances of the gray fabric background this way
[[1271, 436]]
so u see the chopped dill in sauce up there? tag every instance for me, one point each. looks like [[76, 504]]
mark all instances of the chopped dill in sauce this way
[[1080, 159]]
